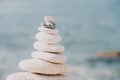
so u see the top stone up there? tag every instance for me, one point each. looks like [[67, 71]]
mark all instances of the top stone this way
[[49, 18], [49, 22]]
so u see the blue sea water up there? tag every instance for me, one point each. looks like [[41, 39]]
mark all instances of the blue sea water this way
[[86, 26]]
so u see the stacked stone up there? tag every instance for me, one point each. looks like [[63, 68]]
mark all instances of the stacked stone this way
[[48, 61]]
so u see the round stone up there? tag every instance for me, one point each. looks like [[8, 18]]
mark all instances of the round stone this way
[[42, 67], [48, 38], [49, 24], [55, 58], [48, 31], [48, 47], [31, 76]]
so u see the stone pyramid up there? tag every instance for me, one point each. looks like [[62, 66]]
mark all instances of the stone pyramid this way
[[48, 60]]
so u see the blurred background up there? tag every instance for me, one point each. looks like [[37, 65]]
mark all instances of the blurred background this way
[[89, 28]]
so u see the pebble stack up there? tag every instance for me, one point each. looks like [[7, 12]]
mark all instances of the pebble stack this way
[[48, 60]]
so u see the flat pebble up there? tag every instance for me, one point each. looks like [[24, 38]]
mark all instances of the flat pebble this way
[[42, 67], [31, 76], [48, 31], [48, 38], [48, 47], [55, 58]]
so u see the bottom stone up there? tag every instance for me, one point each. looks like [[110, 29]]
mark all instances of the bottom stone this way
[[32, 76]]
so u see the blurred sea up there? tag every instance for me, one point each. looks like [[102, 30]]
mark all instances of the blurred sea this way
[[87, 26]]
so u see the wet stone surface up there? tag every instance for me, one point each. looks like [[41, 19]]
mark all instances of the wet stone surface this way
[[49, 24]]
